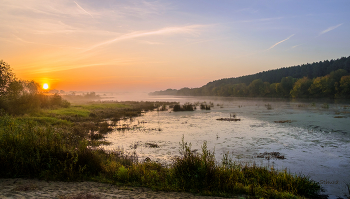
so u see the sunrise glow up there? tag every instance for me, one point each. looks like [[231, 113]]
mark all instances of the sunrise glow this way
[[154, 45], [45, 86]]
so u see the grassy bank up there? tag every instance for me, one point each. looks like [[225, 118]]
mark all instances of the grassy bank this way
[[62, 144]]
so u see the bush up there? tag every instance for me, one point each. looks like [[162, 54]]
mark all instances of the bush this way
[[185, 107]]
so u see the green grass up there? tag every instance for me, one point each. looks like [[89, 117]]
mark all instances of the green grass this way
[[86, 109], [93, 106], [58, 149], [72, 111], [46, 120]]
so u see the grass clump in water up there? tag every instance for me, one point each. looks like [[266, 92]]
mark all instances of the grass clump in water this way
[[186, 107], [204, 106]]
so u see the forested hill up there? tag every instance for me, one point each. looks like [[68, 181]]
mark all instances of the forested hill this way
[[316, 69], [318, 79]]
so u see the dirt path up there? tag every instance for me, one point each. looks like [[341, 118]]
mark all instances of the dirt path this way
[[31, 188]]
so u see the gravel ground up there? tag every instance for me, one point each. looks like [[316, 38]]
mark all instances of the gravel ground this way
[[32, 188]]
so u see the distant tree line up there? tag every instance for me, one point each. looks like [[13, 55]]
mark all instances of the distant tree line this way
[[166, 92], [327, 79], [23, 96]]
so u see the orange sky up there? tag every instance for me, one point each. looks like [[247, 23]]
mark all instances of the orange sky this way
[[154, 45]]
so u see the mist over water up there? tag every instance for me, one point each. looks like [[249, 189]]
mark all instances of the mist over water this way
[[315, 140]]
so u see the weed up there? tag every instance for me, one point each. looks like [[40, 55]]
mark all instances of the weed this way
[[325, 106], [204, 106], [268, 106], [186, 107]]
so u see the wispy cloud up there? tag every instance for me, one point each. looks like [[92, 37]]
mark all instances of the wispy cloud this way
[[280, 42], [329, 29], [83, 9], [192, 29], [296, 46]]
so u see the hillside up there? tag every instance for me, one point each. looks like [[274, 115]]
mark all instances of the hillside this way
[[318, 79]]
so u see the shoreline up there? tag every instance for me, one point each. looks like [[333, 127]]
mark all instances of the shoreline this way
[[34, 188]]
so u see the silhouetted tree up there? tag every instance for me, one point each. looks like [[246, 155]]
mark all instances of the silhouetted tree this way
[[6, 77]]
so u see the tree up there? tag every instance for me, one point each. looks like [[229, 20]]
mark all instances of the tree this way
[[345, 86], [301, 87], [6, 77], [286, 85], [256, 88], [323, 87]]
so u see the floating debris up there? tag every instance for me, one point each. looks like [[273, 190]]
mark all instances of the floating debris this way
[[283, 121], [268, 156], [151, 145], [232, 118], [268, 106], [228, 119]]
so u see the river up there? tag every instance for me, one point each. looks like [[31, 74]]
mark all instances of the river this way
[[313, 136]]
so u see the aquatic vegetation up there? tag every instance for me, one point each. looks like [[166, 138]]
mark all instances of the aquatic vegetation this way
[[228, 119], [151, 145], [162, 108], [325, 105], [268, 106], [271, 155], [283, 121], [302, 105], [186, 107], [204, 106], [211, 104]]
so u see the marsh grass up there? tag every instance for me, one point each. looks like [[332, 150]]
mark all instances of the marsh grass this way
[[185, 107], [204, 106], [30, 150]]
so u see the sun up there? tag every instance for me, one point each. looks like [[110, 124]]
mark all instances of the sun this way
[[45, 86]]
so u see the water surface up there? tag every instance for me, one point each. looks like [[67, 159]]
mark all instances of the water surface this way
[[315, 141]]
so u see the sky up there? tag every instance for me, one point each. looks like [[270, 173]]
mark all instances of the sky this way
[[148, 45]]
